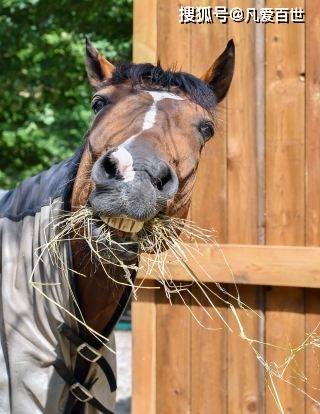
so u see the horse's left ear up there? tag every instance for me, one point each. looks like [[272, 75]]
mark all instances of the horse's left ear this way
[[97, 66], [219, 76]]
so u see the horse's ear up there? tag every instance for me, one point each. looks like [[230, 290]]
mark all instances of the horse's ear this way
[[97, 66], [219, 76]]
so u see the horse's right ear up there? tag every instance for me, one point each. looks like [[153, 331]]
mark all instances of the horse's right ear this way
[[97, 66], [219, 76]]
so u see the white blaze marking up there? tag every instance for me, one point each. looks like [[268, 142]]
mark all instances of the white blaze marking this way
[[122, 155], [150, 116], [125, 163]]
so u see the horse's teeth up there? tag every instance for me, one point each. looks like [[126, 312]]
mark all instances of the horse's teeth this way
[[123, 224]]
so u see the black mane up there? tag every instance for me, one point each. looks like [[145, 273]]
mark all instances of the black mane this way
[[148, 75]]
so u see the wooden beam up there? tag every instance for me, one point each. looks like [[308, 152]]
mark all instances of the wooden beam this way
[[145, 31], [253, 265], [144, 353], [312, 297], [242, 196], [285, 197]]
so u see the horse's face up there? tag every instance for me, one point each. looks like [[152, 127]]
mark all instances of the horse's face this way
[[147, 145], [145, 142]]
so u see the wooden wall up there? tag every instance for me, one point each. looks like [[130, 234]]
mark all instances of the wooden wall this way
[[258, 183]]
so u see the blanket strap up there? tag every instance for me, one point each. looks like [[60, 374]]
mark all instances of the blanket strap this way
[[80, 392], [89, 353]]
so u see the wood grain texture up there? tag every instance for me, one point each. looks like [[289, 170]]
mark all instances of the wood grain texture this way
[[312, 123], [242, 168], [209, 202], [209, 210], [173, 356], [285, 128], [243, 368], [285, 187], [145, 31], [173, 37], [144, 353], [312, 191], [208, 357], [285, 327], [254, 265], [312, 309]]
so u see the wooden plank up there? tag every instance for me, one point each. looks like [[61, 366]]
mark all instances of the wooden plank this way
[[285, 189], [173, 356], [242, 169], [312, 123], [312, 309], [243, 366], [285, 129], [260, 122], [173, 37], [285, 327], [243, 379], [254, 265], [208, 357], [145, 31], [312, 297], [209, 202], [144, 353], [209, 210]]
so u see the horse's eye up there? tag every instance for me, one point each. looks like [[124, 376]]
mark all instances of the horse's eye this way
[[206, 130], [98, 104]]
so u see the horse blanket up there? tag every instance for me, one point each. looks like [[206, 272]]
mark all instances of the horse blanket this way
[[31, 336]]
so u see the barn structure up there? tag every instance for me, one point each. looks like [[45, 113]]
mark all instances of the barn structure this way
[[258, 186]]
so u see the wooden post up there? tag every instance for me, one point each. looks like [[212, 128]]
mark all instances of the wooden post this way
[[285, 191], [312, 296]]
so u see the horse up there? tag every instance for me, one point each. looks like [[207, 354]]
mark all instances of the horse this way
[[138, 162]]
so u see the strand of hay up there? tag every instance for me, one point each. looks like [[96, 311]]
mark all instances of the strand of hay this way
[[170, 233]]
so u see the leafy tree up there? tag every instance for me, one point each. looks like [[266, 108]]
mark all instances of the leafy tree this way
[[45, 97]]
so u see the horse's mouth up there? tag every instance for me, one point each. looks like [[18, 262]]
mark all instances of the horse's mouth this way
[[125, 236], [123, 224], [119, 245]]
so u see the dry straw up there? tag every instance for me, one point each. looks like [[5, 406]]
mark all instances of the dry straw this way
[[167, 236]]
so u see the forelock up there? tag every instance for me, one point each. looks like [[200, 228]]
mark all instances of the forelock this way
[[147, 75]]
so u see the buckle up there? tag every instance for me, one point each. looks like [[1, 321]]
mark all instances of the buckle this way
[[80, 392], [88, 352]]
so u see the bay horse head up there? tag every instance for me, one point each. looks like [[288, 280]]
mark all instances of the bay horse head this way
[[145, 141]]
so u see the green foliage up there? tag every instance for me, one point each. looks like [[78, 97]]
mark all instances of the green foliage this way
[[45, 96]]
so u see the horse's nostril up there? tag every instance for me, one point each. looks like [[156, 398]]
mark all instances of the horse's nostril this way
[[159, 185], [164, 179], [110, 166], [161, 182]]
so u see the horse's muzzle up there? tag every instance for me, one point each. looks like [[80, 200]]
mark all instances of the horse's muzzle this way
[[132, 184]]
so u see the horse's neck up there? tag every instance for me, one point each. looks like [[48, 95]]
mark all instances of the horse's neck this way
[[98, 294]]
